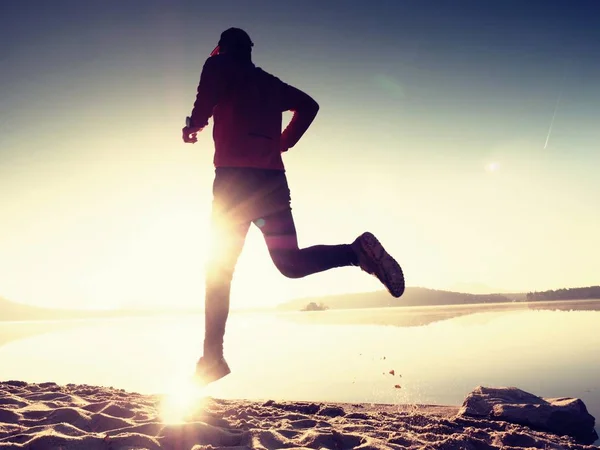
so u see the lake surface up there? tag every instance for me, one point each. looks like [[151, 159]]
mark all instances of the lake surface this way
[[438, 354]]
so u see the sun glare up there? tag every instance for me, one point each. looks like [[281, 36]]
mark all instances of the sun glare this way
[[181, 401]]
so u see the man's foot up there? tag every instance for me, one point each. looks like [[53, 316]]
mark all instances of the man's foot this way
[[211, 369], [374, 260]]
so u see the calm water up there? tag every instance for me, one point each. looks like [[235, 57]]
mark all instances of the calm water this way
[[439, 354]]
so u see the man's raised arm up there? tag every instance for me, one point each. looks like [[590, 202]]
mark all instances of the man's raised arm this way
[[208, 93]]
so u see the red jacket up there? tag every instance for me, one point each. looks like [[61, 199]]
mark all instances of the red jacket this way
[[246, 104]]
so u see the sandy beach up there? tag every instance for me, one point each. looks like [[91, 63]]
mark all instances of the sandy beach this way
[[49, 416]]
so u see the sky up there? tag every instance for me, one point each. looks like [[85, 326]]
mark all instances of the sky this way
[[464, 135]]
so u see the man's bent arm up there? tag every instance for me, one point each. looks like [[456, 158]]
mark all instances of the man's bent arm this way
[[305, 109], [208, 93]]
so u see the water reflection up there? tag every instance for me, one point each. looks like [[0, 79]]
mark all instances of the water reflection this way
[[326, 356]]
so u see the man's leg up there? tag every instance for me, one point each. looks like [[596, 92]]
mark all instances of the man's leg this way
[[280, 236], [227, 242], [366, 251]]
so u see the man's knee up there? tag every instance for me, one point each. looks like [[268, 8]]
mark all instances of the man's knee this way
[[287, 264]]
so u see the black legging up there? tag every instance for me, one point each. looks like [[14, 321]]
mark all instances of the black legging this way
[[279, 231]]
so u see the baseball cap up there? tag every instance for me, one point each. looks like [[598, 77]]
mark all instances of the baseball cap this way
[[233, 38]]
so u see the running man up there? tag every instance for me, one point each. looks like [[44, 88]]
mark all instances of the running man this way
[[250, 185]]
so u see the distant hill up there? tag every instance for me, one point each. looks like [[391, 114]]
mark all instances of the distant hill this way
[[582, 293], [413, 296], [418, 296]]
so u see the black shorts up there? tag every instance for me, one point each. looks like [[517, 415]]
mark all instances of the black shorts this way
[[245, 194]]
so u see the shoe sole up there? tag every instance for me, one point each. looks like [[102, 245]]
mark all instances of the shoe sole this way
[[387, 269]]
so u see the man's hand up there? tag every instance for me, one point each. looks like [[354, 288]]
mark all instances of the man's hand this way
[[190, 134]]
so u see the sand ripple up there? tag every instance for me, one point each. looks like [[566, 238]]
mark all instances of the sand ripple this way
[[48, 416]]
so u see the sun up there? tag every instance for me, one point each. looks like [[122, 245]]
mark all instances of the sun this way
[[492, 167], [181, 401]]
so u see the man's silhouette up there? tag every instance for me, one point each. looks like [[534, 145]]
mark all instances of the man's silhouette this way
[[250, 185]]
